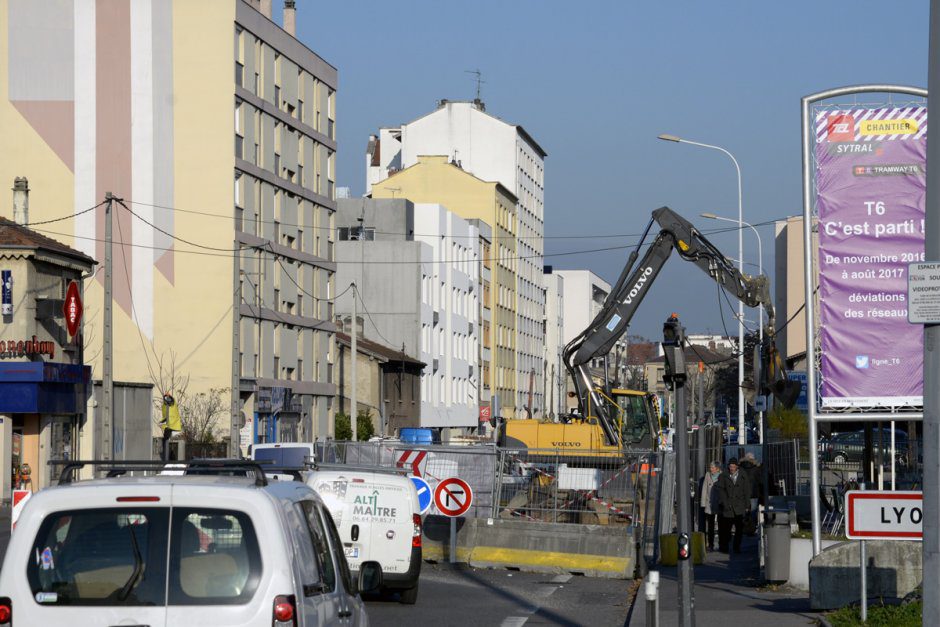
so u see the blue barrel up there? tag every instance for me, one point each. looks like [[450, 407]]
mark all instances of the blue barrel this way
[[411, 435]]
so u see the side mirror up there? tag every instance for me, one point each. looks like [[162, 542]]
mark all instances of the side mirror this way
[[370, 577]]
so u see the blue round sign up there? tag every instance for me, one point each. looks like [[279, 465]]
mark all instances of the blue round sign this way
[[424, 493]]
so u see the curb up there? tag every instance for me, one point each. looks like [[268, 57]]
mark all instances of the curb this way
[[537, 561]]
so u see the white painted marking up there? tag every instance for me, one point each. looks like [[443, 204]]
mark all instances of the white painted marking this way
[[562, 578], [514, 621], [545, 591], [142, 183]]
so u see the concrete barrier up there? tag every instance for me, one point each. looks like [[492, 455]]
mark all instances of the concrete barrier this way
[[894, 570], [592, 550]]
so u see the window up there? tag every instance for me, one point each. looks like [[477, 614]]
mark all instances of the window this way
[[321, 545], [239, 74], [88, 557], [214, 557], [331, 532]]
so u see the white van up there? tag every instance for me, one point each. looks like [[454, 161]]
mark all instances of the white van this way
[[177, 551], [293, 454], [378, 517]]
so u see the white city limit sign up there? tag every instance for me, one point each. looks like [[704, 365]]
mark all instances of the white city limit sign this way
[[884, 515]]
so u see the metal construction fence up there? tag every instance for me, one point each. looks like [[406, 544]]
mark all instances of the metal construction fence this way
[[477, 465], [592, 487], [588, 488]]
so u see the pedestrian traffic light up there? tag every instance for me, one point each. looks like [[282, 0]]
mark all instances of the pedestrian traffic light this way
[[683, 546]]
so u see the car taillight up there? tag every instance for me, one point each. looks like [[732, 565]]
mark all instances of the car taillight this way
[[285, 614], [416, 535], [6, 612]]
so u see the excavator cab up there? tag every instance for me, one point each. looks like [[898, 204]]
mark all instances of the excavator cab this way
[[637, 418]]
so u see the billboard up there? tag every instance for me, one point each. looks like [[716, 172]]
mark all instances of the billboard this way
[[870, 192]]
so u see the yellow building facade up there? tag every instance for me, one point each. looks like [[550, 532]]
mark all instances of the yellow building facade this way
[[198, 116], [434, 179]]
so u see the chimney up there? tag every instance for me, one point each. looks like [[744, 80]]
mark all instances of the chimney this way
[[290, 17], [21, 200], [266, 8]]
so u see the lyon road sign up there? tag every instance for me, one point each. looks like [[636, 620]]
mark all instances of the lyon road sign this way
[[884, 515], [453, 497]]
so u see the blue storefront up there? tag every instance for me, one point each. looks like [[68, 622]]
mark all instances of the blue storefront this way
[[44, 403]]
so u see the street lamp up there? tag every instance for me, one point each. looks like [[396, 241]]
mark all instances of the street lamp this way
[[760, 324], [742, 435]]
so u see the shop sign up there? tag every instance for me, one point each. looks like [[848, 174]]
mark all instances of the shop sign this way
[[6, 276], [10, 349], [72, 308]]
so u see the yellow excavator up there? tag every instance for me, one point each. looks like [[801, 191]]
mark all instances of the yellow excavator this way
[[610, 420]]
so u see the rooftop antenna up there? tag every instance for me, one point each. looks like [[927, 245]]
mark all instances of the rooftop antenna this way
[[480, 80]]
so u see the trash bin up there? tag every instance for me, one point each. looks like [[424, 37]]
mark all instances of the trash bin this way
[[777, 542]]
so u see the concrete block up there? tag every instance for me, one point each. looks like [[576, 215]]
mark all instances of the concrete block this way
[[894, 570], [593, 550], [801, 552]]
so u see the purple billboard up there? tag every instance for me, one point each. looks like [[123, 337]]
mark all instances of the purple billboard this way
[[870, 198]]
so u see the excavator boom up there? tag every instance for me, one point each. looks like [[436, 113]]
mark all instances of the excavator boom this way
[[676, 234]]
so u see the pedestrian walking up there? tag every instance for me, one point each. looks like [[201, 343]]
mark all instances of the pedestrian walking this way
[[708, 503], [734, 503], [752, 469]]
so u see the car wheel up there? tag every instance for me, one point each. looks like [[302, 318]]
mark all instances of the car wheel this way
[[839, 458], [409, 596]]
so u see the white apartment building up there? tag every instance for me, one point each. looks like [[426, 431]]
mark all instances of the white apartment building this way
[[493, 150], [416, 268]]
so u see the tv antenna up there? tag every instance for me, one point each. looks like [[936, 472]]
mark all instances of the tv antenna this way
[[479, 76]]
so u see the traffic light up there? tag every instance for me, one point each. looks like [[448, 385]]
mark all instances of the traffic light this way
[[683, 540]]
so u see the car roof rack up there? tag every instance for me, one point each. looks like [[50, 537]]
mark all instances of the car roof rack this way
[[293, 471], [362, 467], [118, 467]]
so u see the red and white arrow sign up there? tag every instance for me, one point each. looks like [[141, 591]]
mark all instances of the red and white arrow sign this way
[[416, 460]]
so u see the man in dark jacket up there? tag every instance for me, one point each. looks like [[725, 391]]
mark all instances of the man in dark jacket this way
[[753, 471], [734, 503]]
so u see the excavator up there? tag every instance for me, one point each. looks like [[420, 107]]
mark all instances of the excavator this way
[[610, 420]]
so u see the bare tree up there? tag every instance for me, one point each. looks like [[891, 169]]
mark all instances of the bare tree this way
[[199, 412]]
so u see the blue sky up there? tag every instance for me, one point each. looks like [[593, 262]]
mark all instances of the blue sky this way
[[596, 82]]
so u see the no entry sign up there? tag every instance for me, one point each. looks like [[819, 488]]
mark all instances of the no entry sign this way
[[884, 515], [453, 497]]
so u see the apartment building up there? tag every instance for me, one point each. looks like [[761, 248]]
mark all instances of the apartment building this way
[[439, 179], [413, 269], [492, 150], [215, 127]]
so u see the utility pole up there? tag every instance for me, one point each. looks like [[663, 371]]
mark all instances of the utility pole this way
[[674, 351], [107, 391], [354, 396], [235, 428], [931, 493]]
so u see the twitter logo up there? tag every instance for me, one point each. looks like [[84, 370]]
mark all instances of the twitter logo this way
[[861, 361]]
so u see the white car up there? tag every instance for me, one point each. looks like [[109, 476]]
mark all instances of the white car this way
[[178, 551], [378, 517]]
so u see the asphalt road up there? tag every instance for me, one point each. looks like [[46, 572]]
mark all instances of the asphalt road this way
[[459, 595]]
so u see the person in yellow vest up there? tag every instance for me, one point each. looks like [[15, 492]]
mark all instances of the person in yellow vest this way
[[171, 422]]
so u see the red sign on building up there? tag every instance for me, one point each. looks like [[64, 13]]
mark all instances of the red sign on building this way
[[72, 309]]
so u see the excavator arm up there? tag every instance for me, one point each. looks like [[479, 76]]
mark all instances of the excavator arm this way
[[676, 233]]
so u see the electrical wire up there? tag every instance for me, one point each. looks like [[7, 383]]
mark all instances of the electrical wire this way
[[68, 217], [170, 235], [412, 234], [130, 291], [358, 294]]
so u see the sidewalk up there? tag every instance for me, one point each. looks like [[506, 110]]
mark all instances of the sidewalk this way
[[728, 592]]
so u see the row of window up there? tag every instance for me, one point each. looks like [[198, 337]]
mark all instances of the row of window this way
[[301, 86]]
